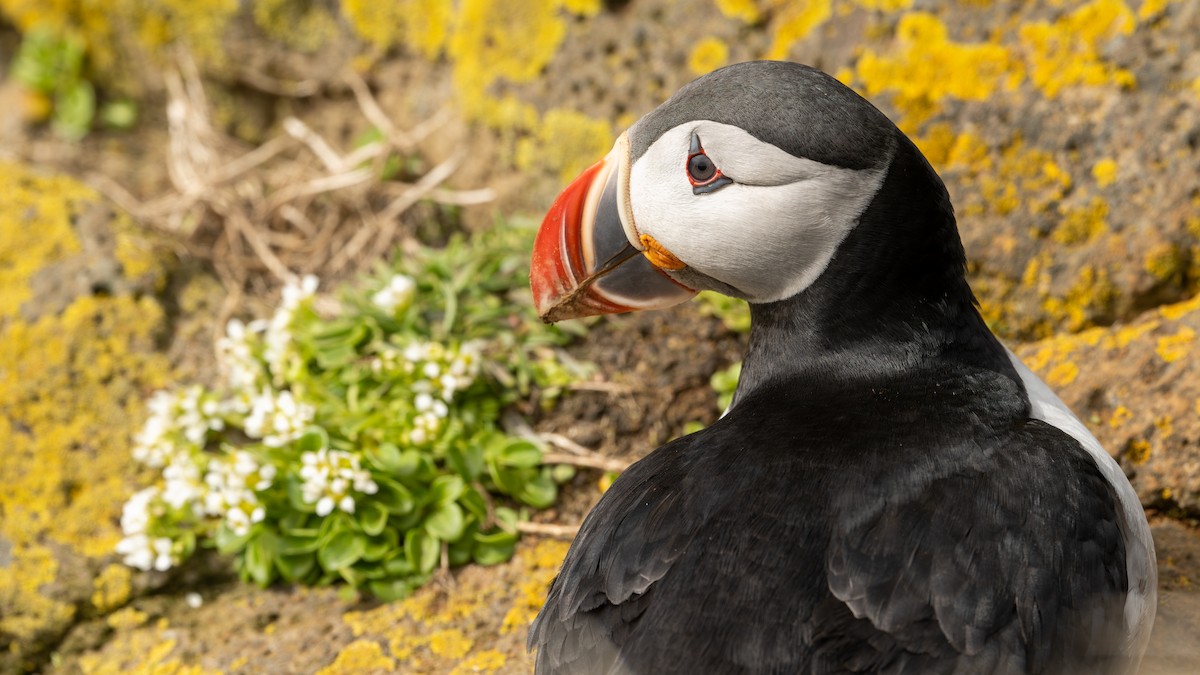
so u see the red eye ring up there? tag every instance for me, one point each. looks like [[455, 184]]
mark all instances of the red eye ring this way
[[701, 171]]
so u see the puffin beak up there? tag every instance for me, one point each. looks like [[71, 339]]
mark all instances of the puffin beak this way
[[585, 264]]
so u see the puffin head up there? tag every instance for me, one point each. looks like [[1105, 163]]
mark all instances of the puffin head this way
[[746, 182]]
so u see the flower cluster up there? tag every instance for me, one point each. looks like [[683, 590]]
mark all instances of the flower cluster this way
[[233, 485], [329, 476], [354, 440], [141, 549], [396, 296]]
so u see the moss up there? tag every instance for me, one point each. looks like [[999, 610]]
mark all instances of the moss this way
[[360, 656], [709, 54], [1066, 53]]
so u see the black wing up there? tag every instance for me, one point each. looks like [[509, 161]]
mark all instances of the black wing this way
[[1000, 556]]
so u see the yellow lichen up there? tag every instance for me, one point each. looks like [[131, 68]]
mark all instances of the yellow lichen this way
[[1062, 374], [496, 40], [744, 10], [126, 619], [566, 141], [450, 643], [35, 228], [1138, 451], [1066, 53], [306, 26], [1164, 426], [1105, 172], [487, 661], [709, 54], [112, 588], [1180, 309], [884, 5], [927, 67], [583, 7], [1120, 416], [360, 656], [423, 25], [795, 20], [1171, 348], [1165, 262], [1092, 294], [1151, 9], [1080, 225], [71, 391]]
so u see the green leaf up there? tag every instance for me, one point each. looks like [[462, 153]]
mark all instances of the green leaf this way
[[343, 550], [446, 522], [539, 492], [390, 590], [227, 542], [313, 439], [260, 558], [493, 554], [521, 454], [474, 503], [372, 516], [421, 550], [294, 568], [386, 457], [291, 544], [394, 496], [446, 489]]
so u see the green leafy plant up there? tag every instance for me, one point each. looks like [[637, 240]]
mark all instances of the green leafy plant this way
[[360, 442], [51, 64], [724, 382], [732, 312]]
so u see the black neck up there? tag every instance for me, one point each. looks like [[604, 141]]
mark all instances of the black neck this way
[[893, 297]]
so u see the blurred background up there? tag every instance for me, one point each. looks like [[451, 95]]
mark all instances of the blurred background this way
[[168, 165]]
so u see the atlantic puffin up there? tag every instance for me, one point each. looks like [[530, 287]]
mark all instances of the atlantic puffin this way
[[891, 490]]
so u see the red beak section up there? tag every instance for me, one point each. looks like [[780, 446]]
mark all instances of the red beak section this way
[[583, 262]]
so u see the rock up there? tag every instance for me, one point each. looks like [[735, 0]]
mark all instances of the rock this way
[[1137, 386]]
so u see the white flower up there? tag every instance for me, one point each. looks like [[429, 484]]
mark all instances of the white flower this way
[[397, 294], [138, 510], [328, 478], [233, 486], [278, 336], [176, 420], [240, 370], [145, 554], [183, 486], [277, 418]]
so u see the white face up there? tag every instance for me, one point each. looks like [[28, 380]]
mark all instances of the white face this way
[[769, 233]]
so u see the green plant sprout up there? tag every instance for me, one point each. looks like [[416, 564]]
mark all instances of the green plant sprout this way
[[359, 443], [51, 64]]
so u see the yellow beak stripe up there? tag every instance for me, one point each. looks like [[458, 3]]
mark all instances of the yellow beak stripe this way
[[658, 255]]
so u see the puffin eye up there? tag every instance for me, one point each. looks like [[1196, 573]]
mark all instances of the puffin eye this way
[[702, 173], [700, 168]]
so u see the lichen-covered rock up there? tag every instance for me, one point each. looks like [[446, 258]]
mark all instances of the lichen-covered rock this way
[[1137, 385], [72, 381]]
